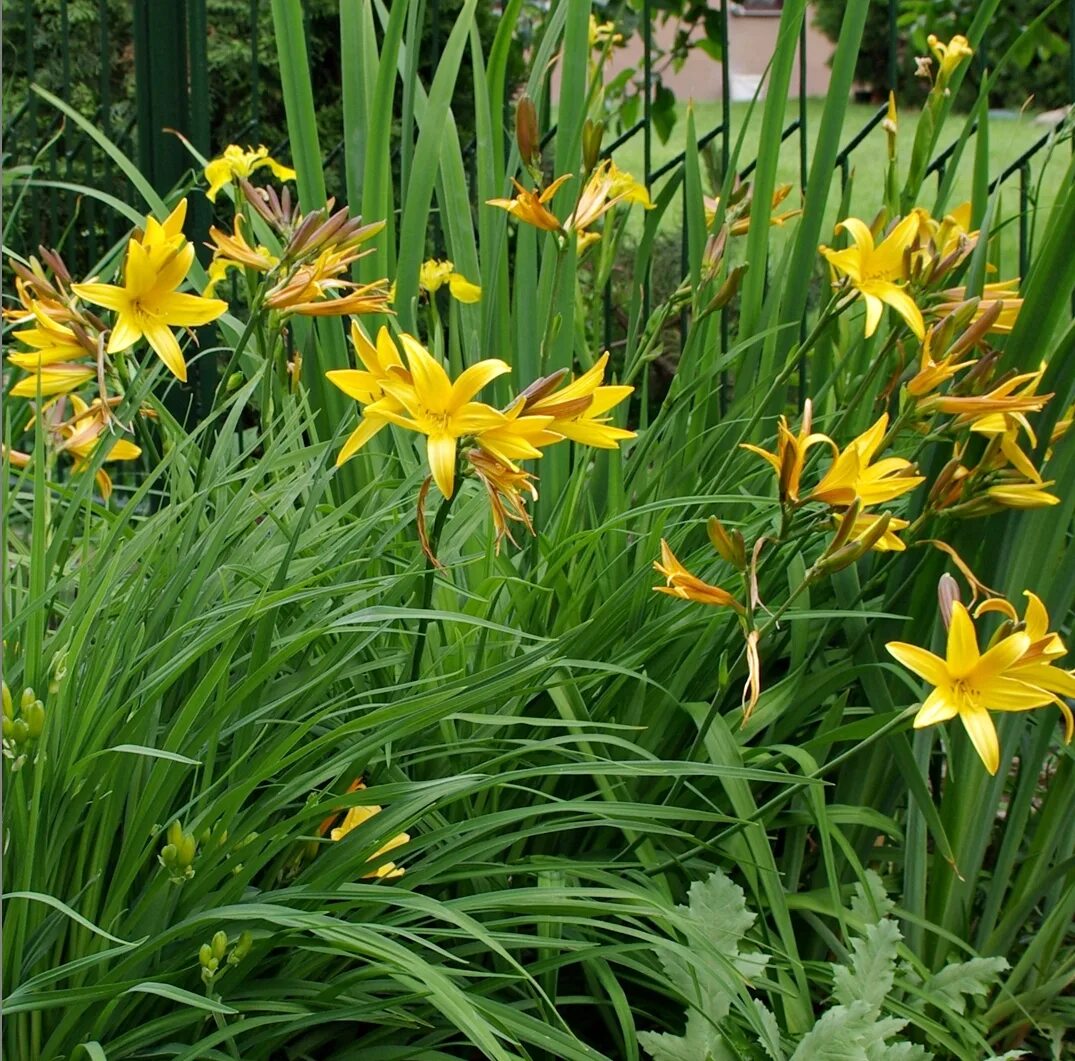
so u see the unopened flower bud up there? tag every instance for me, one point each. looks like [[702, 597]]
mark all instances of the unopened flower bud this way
[[220, 945], [526, 133], [27, 698], [947, 595], [241, 948], [175, 833], [729, 289], [35, 718], [592, 132], [186, 849], [205, 955], [838, 559], [20, 731], [235, 381], [845, 527], [9, 706], [730, 545]]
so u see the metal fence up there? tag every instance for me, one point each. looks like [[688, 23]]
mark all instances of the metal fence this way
[[139, 72]]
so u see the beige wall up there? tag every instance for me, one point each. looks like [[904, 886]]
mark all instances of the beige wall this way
[[752, 40]]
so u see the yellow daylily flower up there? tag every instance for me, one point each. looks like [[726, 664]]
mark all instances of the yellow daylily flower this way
[[969, 684], [681, 583], [601, 33], [599, 194], [236, 165], [949, 56], [576, 409], [357, 816], [82, 434], [873, 270], [381, 362], [739, 212], [148, 304], [437, 407], [1011, 397], [625, 188], [529, 206], [434, 274], [931, 374], [234, 251], [162, 240], [851, 475], [790, 455]]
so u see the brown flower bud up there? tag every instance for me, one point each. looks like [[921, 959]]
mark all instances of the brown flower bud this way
[[526, 132]]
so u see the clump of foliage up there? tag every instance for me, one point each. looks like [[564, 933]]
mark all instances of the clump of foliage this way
[[444, 693]]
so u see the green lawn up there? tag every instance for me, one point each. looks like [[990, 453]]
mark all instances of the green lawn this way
[[1008, 138]]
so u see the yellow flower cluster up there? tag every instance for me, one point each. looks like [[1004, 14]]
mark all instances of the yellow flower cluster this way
[[917, 252], [417, 394], [854, 481], [308, 275], [606, 187]]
